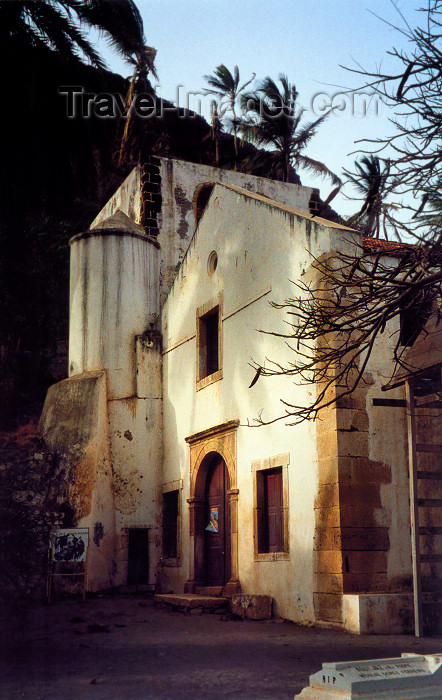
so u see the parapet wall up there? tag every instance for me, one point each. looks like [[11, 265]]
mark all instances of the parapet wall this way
[[160, 196]]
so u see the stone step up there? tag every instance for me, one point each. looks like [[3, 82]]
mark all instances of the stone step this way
[[209, 590], [192, 602], [252, 607]]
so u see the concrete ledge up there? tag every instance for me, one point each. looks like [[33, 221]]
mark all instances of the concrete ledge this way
[[378, 613]]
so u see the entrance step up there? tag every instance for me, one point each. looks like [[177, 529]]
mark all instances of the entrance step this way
[[192, 602], [209, 590]]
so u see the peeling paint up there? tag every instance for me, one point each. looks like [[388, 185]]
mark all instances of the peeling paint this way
[[98, 533], [184, 205]]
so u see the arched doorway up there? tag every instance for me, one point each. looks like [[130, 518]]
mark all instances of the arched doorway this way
[[213, 497], [217, 539]]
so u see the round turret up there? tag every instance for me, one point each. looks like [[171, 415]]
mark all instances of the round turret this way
[[113, 298]]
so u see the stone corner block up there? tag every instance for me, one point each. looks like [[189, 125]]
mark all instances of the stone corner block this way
[[252, 607], [378, 613]]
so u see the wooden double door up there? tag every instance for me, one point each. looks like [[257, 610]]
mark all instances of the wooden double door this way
[[217, 546]]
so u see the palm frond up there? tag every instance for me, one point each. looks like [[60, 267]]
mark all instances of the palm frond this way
[[223, 82], [59, 32], [59, 24], [318, 168], [120, 22], [273, 120]]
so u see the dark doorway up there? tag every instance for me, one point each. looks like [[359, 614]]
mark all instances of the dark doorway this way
[[170, 525], [138, 565], [217, 525]]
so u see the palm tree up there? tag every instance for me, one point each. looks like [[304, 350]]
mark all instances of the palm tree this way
[[144, 63], [434, 201], [59, 26], [370, 180], [273, 120], [225, 85], [216, 130]]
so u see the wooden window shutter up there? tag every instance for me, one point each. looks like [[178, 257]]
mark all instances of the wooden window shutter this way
[[275, 512]]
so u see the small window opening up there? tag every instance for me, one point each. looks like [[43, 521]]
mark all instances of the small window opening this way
[[209, 343], [170, 524], [270, 511], [212, 263]]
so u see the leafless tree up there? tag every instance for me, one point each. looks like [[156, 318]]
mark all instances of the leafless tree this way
[[414, 148], [334, 321]]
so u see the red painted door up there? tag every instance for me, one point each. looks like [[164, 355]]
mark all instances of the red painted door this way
[[217, 525]]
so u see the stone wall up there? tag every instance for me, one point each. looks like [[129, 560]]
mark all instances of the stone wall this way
[[27, 514], [351, 538], [74, 426]]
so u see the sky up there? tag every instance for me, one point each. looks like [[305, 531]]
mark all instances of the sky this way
[[308, 40]]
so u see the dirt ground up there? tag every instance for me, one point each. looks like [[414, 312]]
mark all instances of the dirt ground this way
[[124, 647]]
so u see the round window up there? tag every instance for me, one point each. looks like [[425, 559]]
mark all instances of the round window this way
[[212, 262]]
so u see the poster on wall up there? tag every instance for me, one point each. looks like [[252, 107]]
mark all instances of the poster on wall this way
[[213, 523], [70, 544]]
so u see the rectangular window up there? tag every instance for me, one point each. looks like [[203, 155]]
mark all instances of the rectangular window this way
[[209, 343], [170, 525], [271, 508], [271, 518]]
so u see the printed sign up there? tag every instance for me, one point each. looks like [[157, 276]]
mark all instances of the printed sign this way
[[70, 544], [213, 523]]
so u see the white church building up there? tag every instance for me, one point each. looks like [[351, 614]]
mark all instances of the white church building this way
[[158, 457]]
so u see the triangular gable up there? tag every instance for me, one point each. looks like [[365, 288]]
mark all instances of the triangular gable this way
[[284, 207]]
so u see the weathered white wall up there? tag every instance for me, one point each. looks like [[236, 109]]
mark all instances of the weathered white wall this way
[[180, 181], [113, 298], [176, 221], [74, 424], [113, 302], [260, 248], [128, 199], [135, 448]]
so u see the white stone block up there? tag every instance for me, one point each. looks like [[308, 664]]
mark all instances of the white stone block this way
[[406, 678], [378, 613]]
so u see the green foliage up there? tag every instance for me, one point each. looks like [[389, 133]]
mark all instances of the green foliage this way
[[225, 85], [273, 121], [57, 172], [223, 82], [371, 180], [60, 27]]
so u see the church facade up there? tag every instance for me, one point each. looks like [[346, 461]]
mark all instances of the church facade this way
[[160, 453]]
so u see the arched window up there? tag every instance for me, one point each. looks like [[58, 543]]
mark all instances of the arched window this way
[[201, 198]]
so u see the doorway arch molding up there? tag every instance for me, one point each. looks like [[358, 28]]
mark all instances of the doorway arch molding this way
[[219, 439]]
